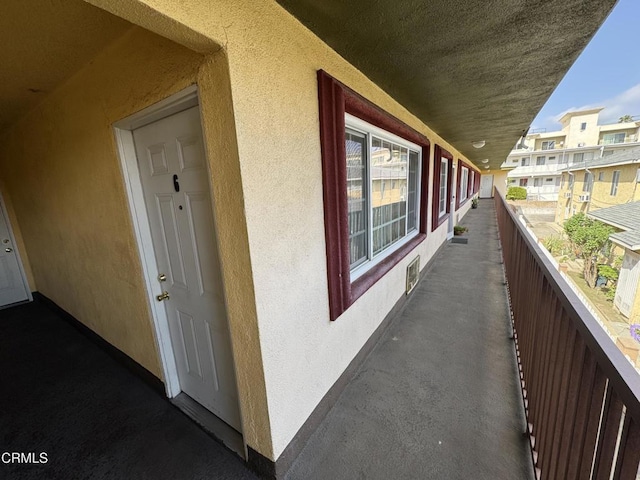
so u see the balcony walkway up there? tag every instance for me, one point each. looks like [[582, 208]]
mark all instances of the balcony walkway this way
[[438, 397]]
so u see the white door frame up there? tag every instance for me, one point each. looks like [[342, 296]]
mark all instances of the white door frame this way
[[16, 250], [123, 131]]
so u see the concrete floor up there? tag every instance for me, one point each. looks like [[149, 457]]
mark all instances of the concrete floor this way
[[437, 398]]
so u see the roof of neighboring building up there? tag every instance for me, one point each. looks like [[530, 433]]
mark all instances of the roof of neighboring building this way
[[620, 158], [575, 113], [625, 217]]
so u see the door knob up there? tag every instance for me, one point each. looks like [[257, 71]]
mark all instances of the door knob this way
[[163, 296], [8, 250], [162, 277]]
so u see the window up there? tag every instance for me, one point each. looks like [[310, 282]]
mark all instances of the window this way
[[614, 183], [552, 160], [368, 228], [443, 164], [606, 153], [524, 162], [600, 176], [548, 180], [610, 138], [375, 159], [472, 183], [572, 179], [465, 176], [548, 145], [583, 126], [588, 182], [578, 157], [515, 160], [523, 182], [464, 183], [562, 181], [540, 160], [537, 182]]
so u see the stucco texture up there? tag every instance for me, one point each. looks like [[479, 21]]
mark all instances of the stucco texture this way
[[273, 61], [60, 167]]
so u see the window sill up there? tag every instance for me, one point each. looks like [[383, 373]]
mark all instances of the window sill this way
[[365, 281]]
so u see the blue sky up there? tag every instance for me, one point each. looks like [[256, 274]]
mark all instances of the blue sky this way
[[607, 73]]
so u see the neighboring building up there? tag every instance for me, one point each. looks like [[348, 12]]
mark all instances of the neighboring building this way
[[536, 162], [179, 177], [599, 183], [626, 218]]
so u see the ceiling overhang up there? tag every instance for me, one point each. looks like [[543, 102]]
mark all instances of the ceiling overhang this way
[[469, 69]]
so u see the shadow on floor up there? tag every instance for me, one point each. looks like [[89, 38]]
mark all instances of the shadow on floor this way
[[94, 419]]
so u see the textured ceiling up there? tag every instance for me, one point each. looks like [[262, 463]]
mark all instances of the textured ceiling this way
[[42, 43], [470, 69]]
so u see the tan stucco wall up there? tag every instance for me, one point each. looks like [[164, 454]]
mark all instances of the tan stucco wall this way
[[628, 190], [273, 62], [60, 167]]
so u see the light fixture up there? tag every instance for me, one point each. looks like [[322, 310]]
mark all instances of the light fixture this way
[[486, 166], [478, 143], [486, 160]]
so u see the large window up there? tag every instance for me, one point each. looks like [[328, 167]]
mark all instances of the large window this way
[[540, 160], [611, 138], [548, 145], [466, 179], [374, 176], [587, 184], [382, 191], [443, 185], [615, 179]]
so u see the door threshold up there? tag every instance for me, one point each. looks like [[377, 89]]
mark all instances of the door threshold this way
[[210, 423], [15, 304]]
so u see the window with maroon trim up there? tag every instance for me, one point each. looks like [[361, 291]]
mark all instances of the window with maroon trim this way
[[442, 186], [464, 184], [374, 174]]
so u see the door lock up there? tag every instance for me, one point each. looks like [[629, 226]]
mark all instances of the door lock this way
[[162, 277], [8, 250], [163, 296]]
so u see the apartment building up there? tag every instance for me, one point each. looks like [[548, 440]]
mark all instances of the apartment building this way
[[537, 160], [599, 183]]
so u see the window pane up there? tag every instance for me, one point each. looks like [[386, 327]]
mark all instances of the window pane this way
[[442, 207], [389, 208], [412, 208], [357, 197]]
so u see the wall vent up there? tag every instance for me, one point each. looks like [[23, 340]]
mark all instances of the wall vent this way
[[413, 274]]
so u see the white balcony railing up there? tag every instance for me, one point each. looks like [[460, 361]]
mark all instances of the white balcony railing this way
[[537, 170]]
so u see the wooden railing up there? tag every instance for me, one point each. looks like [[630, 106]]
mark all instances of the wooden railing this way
[[581, 395]]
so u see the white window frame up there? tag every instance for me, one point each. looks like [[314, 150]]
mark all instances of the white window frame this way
[[358, 125], [610, 138], [464, 184], [615, 180], [444, 167], [548, 145]]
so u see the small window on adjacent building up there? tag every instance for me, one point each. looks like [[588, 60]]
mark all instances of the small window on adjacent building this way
[[523, 182], [583, 126], [548, 145], [578, 157], [540, 160], [524, 162], [548, 180], [572, 179], [600, 176], [588, 182], [614, 183], [611, 138], [552, 160], [537, 182]]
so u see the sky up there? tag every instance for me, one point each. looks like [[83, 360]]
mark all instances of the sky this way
[[607, 73]]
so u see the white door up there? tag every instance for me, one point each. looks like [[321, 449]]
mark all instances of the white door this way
[[486, 186], [174, 177], [13, 287], [628, 283]]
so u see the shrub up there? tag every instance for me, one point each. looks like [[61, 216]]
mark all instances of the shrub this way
[[459, 230], [516, 193], [608, 272], [556, 245]]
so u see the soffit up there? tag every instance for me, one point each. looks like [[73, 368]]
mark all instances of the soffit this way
[[470, 69], [44, 43]]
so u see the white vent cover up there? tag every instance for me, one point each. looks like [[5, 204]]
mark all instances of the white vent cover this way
[[413, 273]]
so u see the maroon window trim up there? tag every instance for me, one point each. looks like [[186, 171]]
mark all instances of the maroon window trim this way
[[438, 153], [335, 99], [459, 184]]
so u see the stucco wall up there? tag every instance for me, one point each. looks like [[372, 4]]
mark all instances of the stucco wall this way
[[60, 167], [273, 62]]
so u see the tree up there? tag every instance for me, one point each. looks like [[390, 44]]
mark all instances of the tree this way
[[625, 119], [589, 238]]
